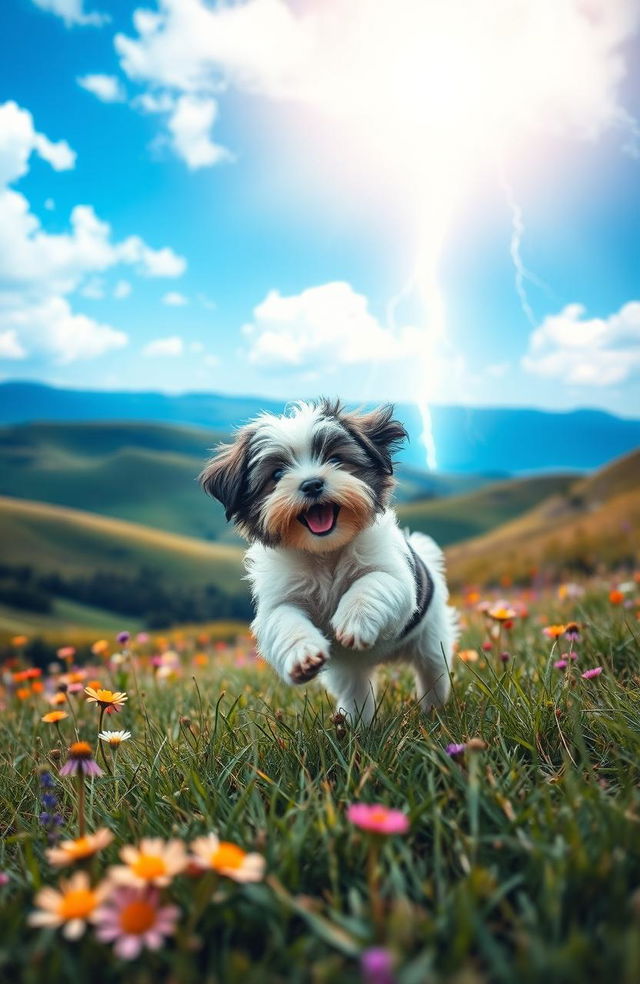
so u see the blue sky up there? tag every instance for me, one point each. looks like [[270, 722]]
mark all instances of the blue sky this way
[[239, 191]]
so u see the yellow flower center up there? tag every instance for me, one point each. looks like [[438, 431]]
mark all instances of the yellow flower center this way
[[80, 750], [227, 856], [149, 866], [77, 905], [137, 917], [105, 696]]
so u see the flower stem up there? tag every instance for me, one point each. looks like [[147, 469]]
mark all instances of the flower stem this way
[[373, 882], [81, 823]]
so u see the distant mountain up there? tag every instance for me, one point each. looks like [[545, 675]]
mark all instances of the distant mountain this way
[[499, 441]]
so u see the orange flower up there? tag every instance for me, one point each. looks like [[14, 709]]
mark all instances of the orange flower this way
[[616, 597], [501, 613], [554, 631], [100, 647], [154, 862], [106, 698], [77, 850], [71, 906], [20, 640], [468, 655], [227, 859], [53, 717], [23, 693], [58, 698], [37, 686]]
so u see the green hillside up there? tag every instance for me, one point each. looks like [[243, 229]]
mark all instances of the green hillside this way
[[594, 525], [52, 553], [463, 516], [145, 473]]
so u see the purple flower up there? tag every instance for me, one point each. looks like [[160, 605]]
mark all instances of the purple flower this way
[[376, 966], [88, 767], [594, 672], [123, 637], [46, 780], [505, 657], [455, 749]]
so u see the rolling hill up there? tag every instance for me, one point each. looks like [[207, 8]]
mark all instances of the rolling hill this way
[[145, 473], [463, 516], [483, 440], [593, 525]]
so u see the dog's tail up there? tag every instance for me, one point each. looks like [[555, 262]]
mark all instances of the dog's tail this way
[[434, 559]]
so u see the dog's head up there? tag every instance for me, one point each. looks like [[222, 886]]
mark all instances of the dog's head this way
[[311, 479]]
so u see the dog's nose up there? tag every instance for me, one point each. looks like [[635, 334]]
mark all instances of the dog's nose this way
[[312, 486]]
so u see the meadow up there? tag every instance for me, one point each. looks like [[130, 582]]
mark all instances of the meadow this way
[[504, 846]]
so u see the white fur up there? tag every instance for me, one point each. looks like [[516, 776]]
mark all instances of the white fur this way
[[345, 611]]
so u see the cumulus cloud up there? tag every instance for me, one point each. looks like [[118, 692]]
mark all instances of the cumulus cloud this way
[[73, 13], [107, 88], [174, 299], [583, 351], [190, 126], [329, 56], [38, 269], [163, 347], [320, 328]]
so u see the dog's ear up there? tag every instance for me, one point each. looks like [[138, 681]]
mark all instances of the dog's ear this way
[[225, 476], [378, 433]]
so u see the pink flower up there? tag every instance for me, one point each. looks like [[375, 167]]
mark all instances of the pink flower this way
[[376, 965], [134, 918], [594, 672], [561, 664], [378, 818], [455, 748]]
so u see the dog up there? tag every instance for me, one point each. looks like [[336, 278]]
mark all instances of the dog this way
[[338, 587]]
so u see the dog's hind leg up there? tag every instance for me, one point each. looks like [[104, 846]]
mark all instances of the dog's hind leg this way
[[432, 681], [354, 691]]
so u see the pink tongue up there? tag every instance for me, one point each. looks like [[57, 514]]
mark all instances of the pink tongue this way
[[319, 518]]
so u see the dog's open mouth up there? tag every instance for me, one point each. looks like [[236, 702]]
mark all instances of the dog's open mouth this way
[[320, 519]]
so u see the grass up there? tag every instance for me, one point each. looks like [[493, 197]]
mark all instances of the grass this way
[[522, 862]]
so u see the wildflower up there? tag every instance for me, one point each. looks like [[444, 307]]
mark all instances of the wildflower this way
[[80, 761], [57, 699], [468, 655], [66, 652], [72, 905], [106, 698], [23, 693], [82, 847], [554, 631], [100, 647], [228, 859], [487, 646], [455, 748], [589, 674], [4, 879], [616, 597], [378, 818], [19, 640], [142, 637], [54, 717], [123, 637], [572, 631], [561, 664], [502, 613], [154, 862], [114, 738], [505, 657], [135, 919], [376, 966]]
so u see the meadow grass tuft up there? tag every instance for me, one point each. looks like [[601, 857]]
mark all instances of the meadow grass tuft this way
[[522, 861]]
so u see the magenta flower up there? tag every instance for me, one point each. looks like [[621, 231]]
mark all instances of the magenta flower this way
[[594, 672], [376, 965], [455, 749], [561, 664], [377, 818], [134, 919], [80, 761], [123, 637]]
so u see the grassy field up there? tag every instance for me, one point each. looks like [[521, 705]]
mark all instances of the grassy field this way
[[521, 862]]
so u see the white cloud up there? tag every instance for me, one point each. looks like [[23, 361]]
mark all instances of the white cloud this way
[[174, 299], [19, 139], [51, 327], [171, 346], [107, 88], [38, 269], [190, 126], [10, 347], [122, 289], [49, 204], [73, 13], [321, 328], [585, 351]]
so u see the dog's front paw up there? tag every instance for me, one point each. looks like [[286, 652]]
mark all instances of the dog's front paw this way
[[306, 661], [354, 630]]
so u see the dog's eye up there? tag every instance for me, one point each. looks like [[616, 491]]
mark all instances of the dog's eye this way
[[335, 459], [277, 474]]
